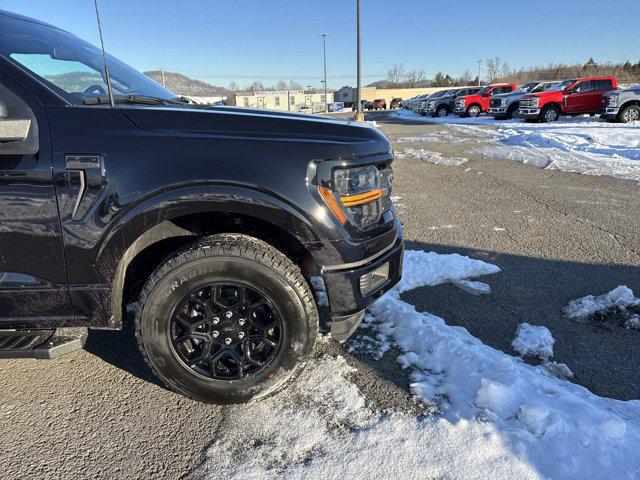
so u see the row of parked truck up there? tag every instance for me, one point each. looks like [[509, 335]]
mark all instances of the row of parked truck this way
[[541, 101]]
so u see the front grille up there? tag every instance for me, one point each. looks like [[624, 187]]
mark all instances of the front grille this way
[[495, 103], [528, 103]]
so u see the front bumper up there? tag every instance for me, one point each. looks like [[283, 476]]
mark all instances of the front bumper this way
[[345, 296], [497, 111], [459, 110], [528, 113], [609, 113]]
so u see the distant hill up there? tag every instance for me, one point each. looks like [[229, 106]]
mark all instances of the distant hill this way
[[183, 85]]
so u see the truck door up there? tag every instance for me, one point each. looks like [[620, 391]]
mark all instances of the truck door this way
[[33, 282], [583, 98]]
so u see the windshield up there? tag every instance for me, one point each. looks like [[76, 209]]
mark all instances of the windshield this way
[[72, 67], [527, 87], [483, 91], [560, 86], [439, 94]]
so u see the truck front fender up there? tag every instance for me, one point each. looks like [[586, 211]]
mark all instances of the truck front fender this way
[[162, 217]]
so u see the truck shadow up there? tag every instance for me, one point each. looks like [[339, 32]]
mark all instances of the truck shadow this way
[[535, 290]]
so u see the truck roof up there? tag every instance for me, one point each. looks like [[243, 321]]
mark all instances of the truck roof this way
[[22, 18]]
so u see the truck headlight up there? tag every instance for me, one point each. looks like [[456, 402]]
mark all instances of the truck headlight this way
[[359, 195], [535, 102], [613, 101], [503, 102], [460, 103], [431, 104]]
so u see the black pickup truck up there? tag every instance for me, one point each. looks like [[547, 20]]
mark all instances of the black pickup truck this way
[[209, 221]]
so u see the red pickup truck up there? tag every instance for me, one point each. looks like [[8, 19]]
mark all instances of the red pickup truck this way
[[474, 105], [569, 97]]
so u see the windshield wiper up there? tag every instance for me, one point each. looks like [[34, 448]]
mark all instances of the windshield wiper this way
[[132, 99]]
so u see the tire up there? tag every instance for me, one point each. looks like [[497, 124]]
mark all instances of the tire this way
[[441, 112], [549, 113], [278, 335], [512, 112], [630, 114], [473, 111]]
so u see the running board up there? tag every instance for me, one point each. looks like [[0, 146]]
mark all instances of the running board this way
[[42, 344]]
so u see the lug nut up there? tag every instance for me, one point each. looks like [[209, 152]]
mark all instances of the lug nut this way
[[228, 314], [241, 322], [215, 320], [227, 341], [240, 335], [215, 334]]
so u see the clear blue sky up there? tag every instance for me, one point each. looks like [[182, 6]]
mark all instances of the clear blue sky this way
[[244, 40]]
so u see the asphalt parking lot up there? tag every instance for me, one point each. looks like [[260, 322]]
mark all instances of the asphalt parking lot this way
[[557, 236]]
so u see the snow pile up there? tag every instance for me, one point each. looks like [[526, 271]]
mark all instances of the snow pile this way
[[620, 300], [322, 428], [500, 418], [428, 156], [562, 429], [581, 145], [574, 145], [533, 340]]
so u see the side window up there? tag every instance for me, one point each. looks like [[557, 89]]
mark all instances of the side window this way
[[18, 126], [583, 87], [606, 84]]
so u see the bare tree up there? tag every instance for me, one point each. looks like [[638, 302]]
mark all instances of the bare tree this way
[[497, 69], [233, 86], [295, 85], [280, 85], [256, 86], [414, 77], [465, 78], [396, 73]]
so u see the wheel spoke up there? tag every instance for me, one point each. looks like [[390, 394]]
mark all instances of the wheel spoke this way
[[263, 338], [191, 336], [247, 354]]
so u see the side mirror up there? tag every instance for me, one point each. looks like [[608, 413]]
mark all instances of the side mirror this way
[[18, 129]]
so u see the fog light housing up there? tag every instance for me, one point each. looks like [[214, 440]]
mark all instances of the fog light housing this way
[[373, 280]]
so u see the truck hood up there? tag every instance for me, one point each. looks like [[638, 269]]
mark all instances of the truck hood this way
[[470, 98], [340, 137], [556, 95], [510, 95]]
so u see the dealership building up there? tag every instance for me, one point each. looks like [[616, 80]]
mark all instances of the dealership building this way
[[286, 100]]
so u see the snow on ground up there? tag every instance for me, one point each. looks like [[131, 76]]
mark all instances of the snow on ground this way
[[620, 301], [496, 416], [582, 144], [533, 340], [428, 156]]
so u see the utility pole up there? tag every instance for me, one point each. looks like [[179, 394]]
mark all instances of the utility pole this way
[[324, 47], [162, 75], [479, 71], [359, 115]]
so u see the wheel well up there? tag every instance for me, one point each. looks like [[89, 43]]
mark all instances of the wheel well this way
[[556, 105], [187, 230], [445, 106], [629, 103], [475, 105], [513, 106]]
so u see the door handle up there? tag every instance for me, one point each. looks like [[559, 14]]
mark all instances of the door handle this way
[[92, 179]]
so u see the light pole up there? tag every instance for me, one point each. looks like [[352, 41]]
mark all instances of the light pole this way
[[479, 71], [324, 48], [359, 115]]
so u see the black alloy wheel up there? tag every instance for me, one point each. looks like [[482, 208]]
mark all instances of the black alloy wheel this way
[[226, 331]]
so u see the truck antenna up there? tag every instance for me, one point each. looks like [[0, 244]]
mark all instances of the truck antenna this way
[[104, 57]]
